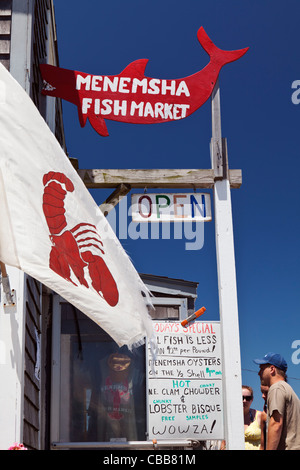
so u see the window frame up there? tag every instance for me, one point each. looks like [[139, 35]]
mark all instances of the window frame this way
[[56, 365], [173, 302]]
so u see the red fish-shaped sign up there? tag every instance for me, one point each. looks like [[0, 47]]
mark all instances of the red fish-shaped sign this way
[[131, 96]]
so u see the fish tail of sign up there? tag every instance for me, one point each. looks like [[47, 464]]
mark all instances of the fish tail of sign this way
[[96, 121], [217, 55]]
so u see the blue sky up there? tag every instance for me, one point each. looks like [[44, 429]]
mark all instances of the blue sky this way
[[261, 125]]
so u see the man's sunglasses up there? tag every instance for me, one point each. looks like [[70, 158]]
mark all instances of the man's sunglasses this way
[[247, 398]]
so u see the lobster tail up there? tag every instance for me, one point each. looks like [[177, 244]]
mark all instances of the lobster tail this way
[[53, 200], [60, 178]]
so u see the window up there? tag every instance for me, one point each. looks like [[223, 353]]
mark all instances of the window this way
[[167, 308], [99, 389]]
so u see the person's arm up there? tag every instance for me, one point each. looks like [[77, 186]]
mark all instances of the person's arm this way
[[274, 430]]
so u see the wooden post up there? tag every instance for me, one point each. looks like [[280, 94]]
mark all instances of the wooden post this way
[[232, 385]]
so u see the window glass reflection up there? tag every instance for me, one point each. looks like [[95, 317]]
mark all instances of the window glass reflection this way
[[102, 385]]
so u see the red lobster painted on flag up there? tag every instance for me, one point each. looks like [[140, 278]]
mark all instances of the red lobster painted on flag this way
[[131, 96], [76, 248]]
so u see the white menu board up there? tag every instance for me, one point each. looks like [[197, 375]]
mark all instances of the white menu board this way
[[185, 382]]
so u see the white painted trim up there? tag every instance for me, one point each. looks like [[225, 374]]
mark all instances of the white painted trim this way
[[12, 341]]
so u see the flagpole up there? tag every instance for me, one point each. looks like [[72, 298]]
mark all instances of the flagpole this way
[[231, 365], [6, 284]]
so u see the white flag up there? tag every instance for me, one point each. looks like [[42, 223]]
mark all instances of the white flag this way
[[52, 229]]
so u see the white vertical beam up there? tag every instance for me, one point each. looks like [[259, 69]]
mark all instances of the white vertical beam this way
[[232, 384], [12, 347]]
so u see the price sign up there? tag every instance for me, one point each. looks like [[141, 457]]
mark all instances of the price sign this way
[[185, 382]]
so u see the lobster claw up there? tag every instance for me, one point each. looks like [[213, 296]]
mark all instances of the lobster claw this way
[[102, 280], [65, 255]]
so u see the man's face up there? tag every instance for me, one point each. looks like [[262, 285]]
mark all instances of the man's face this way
[[264, 374]]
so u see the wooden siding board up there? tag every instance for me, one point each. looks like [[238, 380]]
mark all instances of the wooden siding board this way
[[33, 304], [30, 344], [4, 44], [32, 413], [4, 59], [30, 364], [5, 25], [31, 423], [5, 7], [32, 391], [30, 436], [5, 31]]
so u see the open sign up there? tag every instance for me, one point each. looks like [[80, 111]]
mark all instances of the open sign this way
[[171, 207]]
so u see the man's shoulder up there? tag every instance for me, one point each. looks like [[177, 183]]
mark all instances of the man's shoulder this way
[[282, 386]]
